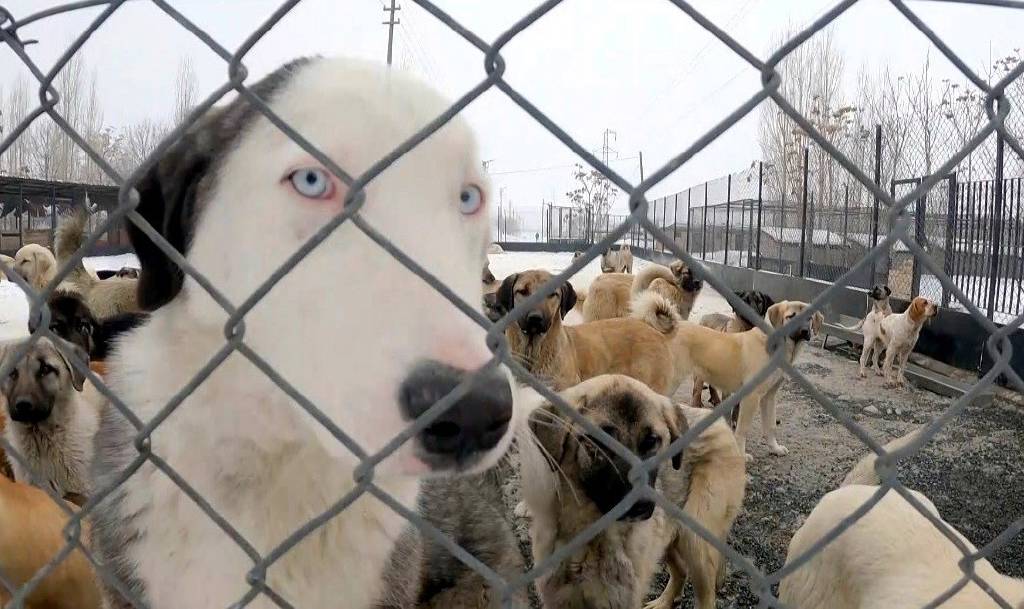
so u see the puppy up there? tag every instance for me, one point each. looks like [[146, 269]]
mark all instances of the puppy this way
[[71, 319], [564, 355], [36, 265], [105, 298], [51, 422], [891, 557], [31, 536], [759, 301], [570, 480], [610, 294], [339, 327], [470, 510], [727, 361], [899, 333], [615, 260], [871, 325]]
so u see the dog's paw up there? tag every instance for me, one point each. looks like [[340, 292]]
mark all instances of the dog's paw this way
[[880, 372], [521, 510], [863, 374], [658, 604], [749, 457], [778, 450]]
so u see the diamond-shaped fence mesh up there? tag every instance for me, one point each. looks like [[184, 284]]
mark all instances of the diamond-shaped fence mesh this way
[[948, 226]]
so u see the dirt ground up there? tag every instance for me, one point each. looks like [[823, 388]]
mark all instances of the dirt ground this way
[[973, 470]]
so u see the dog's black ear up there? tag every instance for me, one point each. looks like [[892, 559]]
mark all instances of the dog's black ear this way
[[768, 301], [505, 296], [568, 298], [167, 201], [888, 292]]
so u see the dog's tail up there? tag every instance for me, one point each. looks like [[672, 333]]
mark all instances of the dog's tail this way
[[69, 239], [864, 472], [645, 277], [860, 324], [656, 311]]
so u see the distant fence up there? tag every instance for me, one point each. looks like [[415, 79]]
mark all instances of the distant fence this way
[[971, 229]]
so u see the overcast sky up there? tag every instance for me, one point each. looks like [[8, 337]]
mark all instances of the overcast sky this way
[[640, 67]]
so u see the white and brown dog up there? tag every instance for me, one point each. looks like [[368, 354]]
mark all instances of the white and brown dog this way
[[899, 333], [350, 328], [871, 326]]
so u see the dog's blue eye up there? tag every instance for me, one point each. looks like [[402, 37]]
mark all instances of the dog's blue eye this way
[[311, 182], [471, 199]]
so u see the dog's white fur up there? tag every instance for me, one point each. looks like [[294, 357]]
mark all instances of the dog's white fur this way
[[900, 332], [892, 557], [872, 329], [343, 327]]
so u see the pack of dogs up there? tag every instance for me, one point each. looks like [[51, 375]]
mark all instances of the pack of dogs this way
[[269, 465]]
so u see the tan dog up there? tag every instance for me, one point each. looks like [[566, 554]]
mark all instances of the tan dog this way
[[899, 332], [616, 260], [105, 298], [891, 557], [565, 355], [7, 266], [52, 422], [573, 480], [727, 361], [759, 302], [36, 265], [871, 327], [31, 535], [610, 295]]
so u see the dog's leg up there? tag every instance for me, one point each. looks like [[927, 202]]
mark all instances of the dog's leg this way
[[879, 346], [676, 579], [701, 561], [865, 356], [890, 355], [901, 378], [768, 422], [697, 399], [747, 408]]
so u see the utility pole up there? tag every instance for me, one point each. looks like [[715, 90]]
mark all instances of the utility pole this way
[[605, 148], [391, 23], [641, 165]]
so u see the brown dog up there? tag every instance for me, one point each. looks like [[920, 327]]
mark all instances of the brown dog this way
[[565, 355], [573, 480], [31, 535], [36, 264], [610, 294], [728, 361], [759, 301], [899, 332], [618, 260]]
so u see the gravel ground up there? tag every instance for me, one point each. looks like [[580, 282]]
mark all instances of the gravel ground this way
[[972, 471]]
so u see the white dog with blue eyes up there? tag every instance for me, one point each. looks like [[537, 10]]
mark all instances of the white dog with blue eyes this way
[[361, 337]]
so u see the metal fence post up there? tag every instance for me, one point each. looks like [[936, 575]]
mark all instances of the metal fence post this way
[[997, 227], [704, 231], [675, 219], [760, 207], [689, 219], [951, 217], [728, 215], [846, 220], [920, 209], [803, 220], [880, 274]]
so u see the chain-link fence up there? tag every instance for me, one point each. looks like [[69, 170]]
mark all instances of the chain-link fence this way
[[711, 232]]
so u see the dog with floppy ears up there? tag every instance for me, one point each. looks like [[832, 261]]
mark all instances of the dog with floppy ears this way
[[570, 480], [900, 332], [871, 326], [338, 328]]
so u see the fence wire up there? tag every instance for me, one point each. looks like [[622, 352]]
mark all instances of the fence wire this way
[[647, 220]]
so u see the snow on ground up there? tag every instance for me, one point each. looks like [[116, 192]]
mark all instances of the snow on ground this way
[[1009, 294], [14, 304]]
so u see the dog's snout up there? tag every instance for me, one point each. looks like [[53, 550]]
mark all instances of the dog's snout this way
[[533, 323], [24, 410], [474, 424], [641, 510]]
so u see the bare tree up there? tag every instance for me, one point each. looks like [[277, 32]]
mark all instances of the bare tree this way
[[136, 143], [15, 107], [594, 193], [184, 90]]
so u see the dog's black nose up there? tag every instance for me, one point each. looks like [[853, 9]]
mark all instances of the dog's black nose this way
[[641, 510], [25, 411], [471, 426], [533, 323]]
